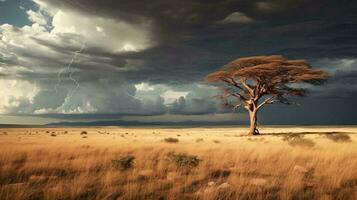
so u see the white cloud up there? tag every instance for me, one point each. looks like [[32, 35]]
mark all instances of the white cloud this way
[[14, 93], [336, 65], [144, 87], [236, 17], [104, 33], [99, 29], [84, 108], [36, 17], [170, 95], [38, 52]]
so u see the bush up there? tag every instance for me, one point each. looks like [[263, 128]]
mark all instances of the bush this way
[[53, 135], [298, 140], [123, 163], [171, 140], [199, 140], [183, 160], [84, 133], [339, 137]]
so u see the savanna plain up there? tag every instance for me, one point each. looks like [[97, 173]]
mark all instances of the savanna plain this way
[[178, 163]]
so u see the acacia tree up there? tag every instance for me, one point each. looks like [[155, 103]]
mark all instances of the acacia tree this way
[[253, 82]]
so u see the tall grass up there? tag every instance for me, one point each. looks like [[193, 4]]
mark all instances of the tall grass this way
[[39, 166]]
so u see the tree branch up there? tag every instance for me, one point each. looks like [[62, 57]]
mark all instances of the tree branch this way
[[234, 93], [246, 86], [238, 95], [227, 104], [269, 100], [236, 84], [237, 106]]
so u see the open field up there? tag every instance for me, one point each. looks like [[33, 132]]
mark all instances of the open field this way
[[178, 163]]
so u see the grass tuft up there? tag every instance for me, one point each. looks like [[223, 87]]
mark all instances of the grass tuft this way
[[183, 160], [124, 163]]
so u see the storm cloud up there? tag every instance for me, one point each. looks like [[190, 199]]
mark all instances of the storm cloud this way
[[150, 57]]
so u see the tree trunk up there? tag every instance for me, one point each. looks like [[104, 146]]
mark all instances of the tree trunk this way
[[253, 122]]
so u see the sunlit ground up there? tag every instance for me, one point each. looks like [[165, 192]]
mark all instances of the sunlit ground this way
[[178, 163]]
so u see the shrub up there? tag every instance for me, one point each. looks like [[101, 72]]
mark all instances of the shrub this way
[[298, 140], [199, 140], [123, 163], [183, 160], [171, 140], [84, 133], [339, 137], [53, 135]]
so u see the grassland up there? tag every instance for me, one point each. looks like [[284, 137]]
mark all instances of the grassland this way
[[181, 163]]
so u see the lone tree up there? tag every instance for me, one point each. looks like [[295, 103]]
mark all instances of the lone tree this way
[[253, 82]]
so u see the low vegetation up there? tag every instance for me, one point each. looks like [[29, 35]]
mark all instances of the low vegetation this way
[[298, 140], [199, 140], [171, 140], [339, 137], [84, 133]]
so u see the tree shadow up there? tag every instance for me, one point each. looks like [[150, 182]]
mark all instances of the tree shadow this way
[[308, 133]]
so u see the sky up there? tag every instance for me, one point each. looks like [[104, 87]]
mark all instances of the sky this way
[[131, 60]]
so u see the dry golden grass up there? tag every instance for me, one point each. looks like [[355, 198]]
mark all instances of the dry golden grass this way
[[204, 163]]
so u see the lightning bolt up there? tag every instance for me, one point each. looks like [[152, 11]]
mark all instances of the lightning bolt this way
[[68, 68], [71, 71]]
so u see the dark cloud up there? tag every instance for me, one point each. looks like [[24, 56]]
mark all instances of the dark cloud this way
[[191, 43], [313, 111], [171, 46], [204, 12]]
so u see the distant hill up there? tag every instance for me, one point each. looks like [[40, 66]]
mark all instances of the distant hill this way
[[137, 123], [19, 126]]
